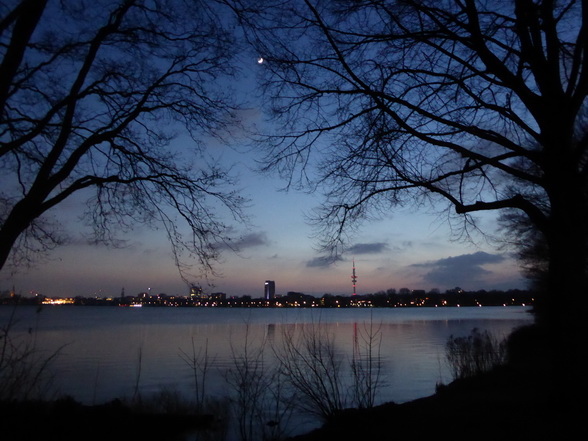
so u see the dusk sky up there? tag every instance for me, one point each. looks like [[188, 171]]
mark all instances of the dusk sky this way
[[409, 248]]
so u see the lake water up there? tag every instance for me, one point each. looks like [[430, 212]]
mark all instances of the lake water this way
[[108, 351]]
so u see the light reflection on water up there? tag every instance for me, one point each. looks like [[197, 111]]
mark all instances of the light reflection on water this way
[[107, 349]]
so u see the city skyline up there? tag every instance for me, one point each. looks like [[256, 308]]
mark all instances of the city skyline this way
[[409, 248], [416, 253]]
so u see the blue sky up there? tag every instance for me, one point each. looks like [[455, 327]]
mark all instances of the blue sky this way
[[410, 249], [407, 249]]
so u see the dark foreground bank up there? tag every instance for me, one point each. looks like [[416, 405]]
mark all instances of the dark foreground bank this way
[[520, 401], [502, 405], [494, 407], [514, 402], [67, 420]]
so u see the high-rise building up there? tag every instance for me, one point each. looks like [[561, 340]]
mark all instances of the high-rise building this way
[[269, 291]]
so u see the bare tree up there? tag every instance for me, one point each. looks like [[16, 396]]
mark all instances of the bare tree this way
[[262, 404], [529, 246], [314, 368], [366, 364], [478, 105], [324, 384], [94, 95]]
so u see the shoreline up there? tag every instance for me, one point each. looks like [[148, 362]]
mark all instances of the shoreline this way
[[503, 404]]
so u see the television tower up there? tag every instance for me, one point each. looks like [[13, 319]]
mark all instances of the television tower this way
[[354, 277]]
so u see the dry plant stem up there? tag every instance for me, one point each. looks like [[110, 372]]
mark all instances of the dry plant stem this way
[[24, 371], [475, 354], [314, 370], [199, 362], [366, 365]]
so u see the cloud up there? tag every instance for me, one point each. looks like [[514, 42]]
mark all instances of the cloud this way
[[368, 248], [401, 247], [253, 240], [322, 262], [465, 270], [249, 240]]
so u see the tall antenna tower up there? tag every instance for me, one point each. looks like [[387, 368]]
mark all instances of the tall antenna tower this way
[[354, 278]]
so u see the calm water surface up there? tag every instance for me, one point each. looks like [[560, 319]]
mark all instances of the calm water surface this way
[[107, 350]]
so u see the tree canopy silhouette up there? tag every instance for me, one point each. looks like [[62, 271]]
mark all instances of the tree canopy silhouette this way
[[92, 94], [476, 104]]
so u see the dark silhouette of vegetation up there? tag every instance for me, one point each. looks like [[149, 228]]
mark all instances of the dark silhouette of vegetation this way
[[475, 354], [92, 94], [323, 381], [509, 401], [315, 370], [366, 365], [262, 405], [476, 106], [465, 105], [529, 245], [24, 367], [199, 363]]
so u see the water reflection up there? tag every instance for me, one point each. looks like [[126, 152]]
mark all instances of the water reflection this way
[[109, 350]]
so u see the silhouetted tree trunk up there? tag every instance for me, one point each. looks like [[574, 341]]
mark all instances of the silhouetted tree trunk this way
[[477, 105], [92, 97]]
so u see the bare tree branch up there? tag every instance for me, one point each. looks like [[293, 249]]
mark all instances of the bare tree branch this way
[[93, 95], [476, 105]]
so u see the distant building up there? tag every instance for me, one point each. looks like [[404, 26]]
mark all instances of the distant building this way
[[269, 292], [196, 293], [218, 296]]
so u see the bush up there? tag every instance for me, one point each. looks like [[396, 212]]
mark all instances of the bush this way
[[24, 370], [475, 354]]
